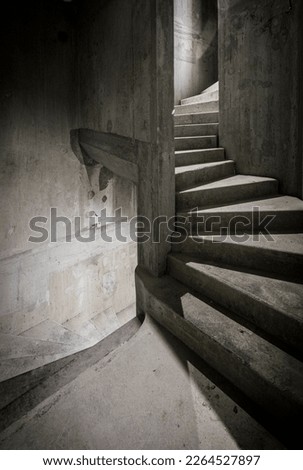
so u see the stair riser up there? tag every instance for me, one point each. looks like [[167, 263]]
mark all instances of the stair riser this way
[[206, 175], [196, 130], [279, 222], [194, 158], [225, 195], [209, 107], [239, 255], [230, 366], [195, 143], [196, 118], [285, 329], [20, 395], [14, 347], [10, 368], [204, 97]]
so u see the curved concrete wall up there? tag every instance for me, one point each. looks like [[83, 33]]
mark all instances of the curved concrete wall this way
[[40, 104], [260, 74]]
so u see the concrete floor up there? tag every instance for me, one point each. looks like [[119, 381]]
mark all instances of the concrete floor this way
[[147, 394]]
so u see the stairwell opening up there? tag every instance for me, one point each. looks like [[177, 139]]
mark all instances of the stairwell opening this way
[[195, 47]]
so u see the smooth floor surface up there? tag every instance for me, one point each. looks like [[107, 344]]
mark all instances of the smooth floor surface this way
[[147, 394]]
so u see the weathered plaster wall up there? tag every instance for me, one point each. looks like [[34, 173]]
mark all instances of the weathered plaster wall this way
[[196, 46], [260, 117], [39, 106]]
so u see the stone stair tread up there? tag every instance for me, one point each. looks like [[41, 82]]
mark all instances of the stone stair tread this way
[[58, 372], [14, 367], [201, 125], [237, 180], [13, 347], [195, 108], [202, 173], [84, 328], [127, 314], [15, 323], [283, 243], [201, 166], [278, 203], [201, 98], [214, 150], [197, 118], [197, 113], [235, 351], [49, 330], [195, 137], [196, 130], [196, 142], [276, 255], [284, 296], [196, 156], [106, 322]]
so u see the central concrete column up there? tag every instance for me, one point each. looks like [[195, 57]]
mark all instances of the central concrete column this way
[[156, 188]]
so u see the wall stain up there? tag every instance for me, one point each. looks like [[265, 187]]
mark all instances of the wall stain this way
[[105, 177]]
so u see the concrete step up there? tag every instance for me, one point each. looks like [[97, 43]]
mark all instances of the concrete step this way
[[196, 142], [207, 107], [106, 322], [48, 342], [127, 314], [20, 394], [244, 358], [85, 328], [10, 368], [280, 214], [274, 306], [12, 347], [280, 254], [19, 354], [193, 157], [192, 175], [213, 87], [188, 130], [196, 118], [51, 331], [212, 95], [233, 189], [15, 323]]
